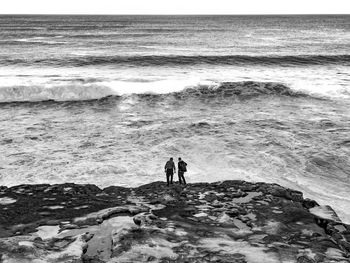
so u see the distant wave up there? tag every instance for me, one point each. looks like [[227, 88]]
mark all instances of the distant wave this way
[[33, 41], [247, 90], [184, 60]]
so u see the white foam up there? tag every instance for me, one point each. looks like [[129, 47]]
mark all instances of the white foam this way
[[82, 84], [57, 92], [156, 87]]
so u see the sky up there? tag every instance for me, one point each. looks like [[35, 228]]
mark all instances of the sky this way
[[175, 7]]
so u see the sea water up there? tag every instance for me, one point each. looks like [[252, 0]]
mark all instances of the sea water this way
[[104, 100]]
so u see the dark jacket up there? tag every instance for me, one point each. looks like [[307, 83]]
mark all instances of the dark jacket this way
[[182, 166], [169, 165]]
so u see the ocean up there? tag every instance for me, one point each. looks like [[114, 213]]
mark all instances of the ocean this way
[[108, 99]]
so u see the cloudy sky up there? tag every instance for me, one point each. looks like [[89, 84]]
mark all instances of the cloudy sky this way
[[175, 7]]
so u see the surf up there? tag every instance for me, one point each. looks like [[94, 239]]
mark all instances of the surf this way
[[209, 90]]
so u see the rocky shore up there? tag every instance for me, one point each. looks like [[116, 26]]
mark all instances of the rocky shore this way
[[229, 221]]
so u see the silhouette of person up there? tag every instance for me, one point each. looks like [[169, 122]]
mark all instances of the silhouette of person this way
[[181, 169], [169, 170]]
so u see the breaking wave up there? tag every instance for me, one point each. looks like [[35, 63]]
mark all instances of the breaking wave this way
[[156, 60], [246, 89], [59, 93]]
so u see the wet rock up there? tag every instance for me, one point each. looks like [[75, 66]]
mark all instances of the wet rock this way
[[144, 219], [337, 236], [280, 191], [216, 204], [229, 221], [308, 203], [27, 249], [305, 259], [210, 197], [345, 245], [346, 236], [233, 212], [340, 228]]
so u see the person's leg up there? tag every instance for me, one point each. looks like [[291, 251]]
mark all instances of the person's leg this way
[[171, 176], [183, 178], [167, 177], [179, 174]]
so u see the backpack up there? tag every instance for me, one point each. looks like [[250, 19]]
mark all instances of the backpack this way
[[183, 166]]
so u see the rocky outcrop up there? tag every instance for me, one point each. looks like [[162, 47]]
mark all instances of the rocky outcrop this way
[[229, 221]]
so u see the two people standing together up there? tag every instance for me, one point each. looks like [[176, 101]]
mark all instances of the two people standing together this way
[[170, 169]]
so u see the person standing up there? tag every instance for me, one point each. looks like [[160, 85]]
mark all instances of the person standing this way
[[170, 169], [181, 169]]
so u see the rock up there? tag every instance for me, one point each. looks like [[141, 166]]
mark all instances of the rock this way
[[216, 204], [337, 236], [345, 245], [210, 197], [296, 214], [137, 220], [25, 248], [233, 212], [340, 228], [308, 203], [346, 235], [144, 219], [305, 259], [229, 221], [295, 195]]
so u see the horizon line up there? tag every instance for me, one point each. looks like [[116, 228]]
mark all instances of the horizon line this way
[[156, 14]]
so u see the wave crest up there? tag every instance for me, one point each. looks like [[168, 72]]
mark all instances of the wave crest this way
[[58, 93], [241, 89], [246, 89], [151, 60]]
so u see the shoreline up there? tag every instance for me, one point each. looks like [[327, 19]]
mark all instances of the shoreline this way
[[222, 220]]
